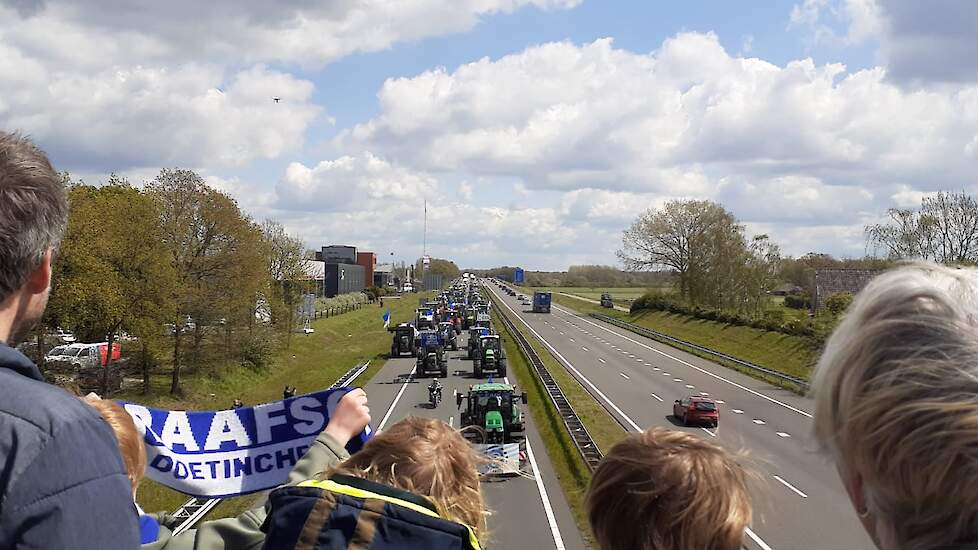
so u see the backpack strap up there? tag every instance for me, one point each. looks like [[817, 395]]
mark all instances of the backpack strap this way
[[374, 502]]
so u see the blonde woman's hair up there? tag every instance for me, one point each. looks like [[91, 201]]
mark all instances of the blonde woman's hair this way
[[896, 400], [669, 490], [429, 458], [127, 436]]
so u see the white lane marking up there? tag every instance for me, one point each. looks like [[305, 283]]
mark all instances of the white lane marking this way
[[547, 508], [639, 360], [582, 347], [737, 411], [602, 360], [720, 401], [561, 333], [784, 434], [705, 394], [451, 421], [625, 376], [709, 432], [690, 386], [790, 486], [677, 379], [759, 422], [396, 399], [657, 397], [704, 371], [753, 536], [573, 369], [571, 339]]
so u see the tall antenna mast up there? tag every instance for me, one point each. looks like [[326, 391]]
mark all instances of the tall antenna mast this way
[[425, 241]]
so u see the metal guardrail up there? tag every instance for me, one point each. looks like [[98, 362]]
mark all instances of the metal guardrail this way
[[575, 428], [196, 508], [665, 338]]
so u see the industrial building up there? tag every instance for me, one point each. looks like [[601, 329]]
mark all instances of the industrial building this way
[[343, 279], [367, 260]]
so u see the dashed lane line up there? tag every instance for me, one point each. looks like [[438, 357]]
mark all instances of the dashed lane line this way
[[397, 398], [790, 486], [712, 434], [625, 376], [657, 397], [748, 531], [690, 365]]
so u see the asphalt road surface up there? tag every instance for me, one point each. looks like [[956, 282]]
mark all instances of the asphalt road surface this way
[[801, 505], [526, 513]]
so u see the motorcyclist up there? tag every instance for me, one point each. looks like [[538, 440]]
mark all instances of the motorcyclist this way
[[434, 389]]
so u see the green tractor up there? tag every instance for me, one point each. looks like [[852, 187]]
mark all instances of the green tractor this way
[[489, 357], [494, 409]]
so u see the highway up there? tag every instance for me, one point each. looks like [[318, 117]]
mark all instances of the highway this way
[[525, 513], [799, 505]]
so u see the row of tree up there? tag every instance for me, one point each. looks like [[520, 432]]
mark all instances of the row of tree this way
[[171, 264]]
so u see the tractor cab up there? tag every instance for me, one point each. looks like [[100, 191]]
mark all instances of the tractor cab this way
[[490, 357], [424, 318], [448, 335], [474, 334], [431, 355], [494, 409], [404, 340]]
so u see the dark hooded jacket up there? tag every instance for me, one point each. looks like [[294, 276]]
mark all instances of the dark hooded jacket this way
[[62, 481]]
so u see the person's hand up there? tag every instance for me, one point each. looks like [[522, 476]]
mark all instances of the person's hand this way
[[350, 417]]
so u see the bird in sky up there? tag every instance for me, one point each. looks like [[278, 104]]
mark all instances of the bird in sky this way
[[276, 99]]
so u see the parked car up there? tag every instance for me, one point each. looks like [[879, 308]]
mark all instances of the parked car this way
[[696, 410]]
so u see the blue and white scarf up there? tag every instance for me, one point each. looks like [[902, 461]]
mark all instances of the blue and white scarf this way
[[218, 454]]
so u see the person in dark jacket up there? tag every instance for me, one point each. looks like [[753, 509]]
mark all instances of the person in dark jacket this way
[[57, 457]]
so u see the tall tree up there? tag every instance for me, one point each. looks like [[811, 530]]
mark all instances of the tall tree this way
[[113, 268], [944, 229], [207, 237], [287, 269]]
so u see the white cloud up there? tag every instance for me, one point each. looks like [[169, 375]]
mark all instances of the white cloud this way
[[106, 85], [465, 191], [129, 118], [799, 145], [920, 42], [364, 182], [250, 31]]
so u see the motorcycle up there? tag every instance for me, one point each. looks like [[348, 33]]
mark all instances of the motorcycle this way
[[434, 396]]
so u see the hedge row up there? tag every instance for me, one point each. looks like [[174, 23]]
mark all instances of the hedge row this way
[[772, 320]]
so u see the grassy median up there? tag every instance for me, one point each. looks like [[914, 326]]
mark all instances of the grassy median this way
[[311, 363], [571, 470]]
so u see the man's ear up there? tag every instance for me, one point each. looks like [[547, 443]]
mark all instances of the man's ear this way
[[40, 280]]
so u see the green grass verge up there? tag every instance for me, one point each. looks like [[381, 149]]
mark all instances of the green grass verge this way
[[312, 362], [569, 466], [791, 355]]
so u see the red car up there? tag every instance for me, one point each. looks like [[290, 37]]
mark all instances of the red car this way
[[696, 410]]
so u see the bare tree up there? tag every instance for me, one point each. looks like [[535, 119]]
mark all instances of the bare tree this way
[[944, 229], [676, 236]]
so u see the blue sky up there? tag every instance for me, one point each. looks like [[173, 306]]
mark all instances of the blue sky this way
[[534, 141]]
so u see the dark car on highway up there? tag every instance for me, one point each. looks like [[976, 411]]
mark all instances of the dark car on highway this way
[[696, 410]]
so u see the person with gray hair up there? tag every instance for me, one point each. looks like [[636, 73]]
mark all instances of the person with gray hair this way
[[896, 407], [62, 480]]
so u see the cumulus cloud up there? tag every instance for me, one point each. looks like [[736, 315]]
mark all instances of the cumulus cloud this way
[[794, 145], [363, 182], [119, 119], [250, 31], [107, 85], [562, 116], [920, 42]]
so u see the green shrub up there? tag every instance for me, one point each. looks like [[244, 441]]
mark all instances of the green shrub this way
[[800, 301], [838, 302], [256, 352]]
